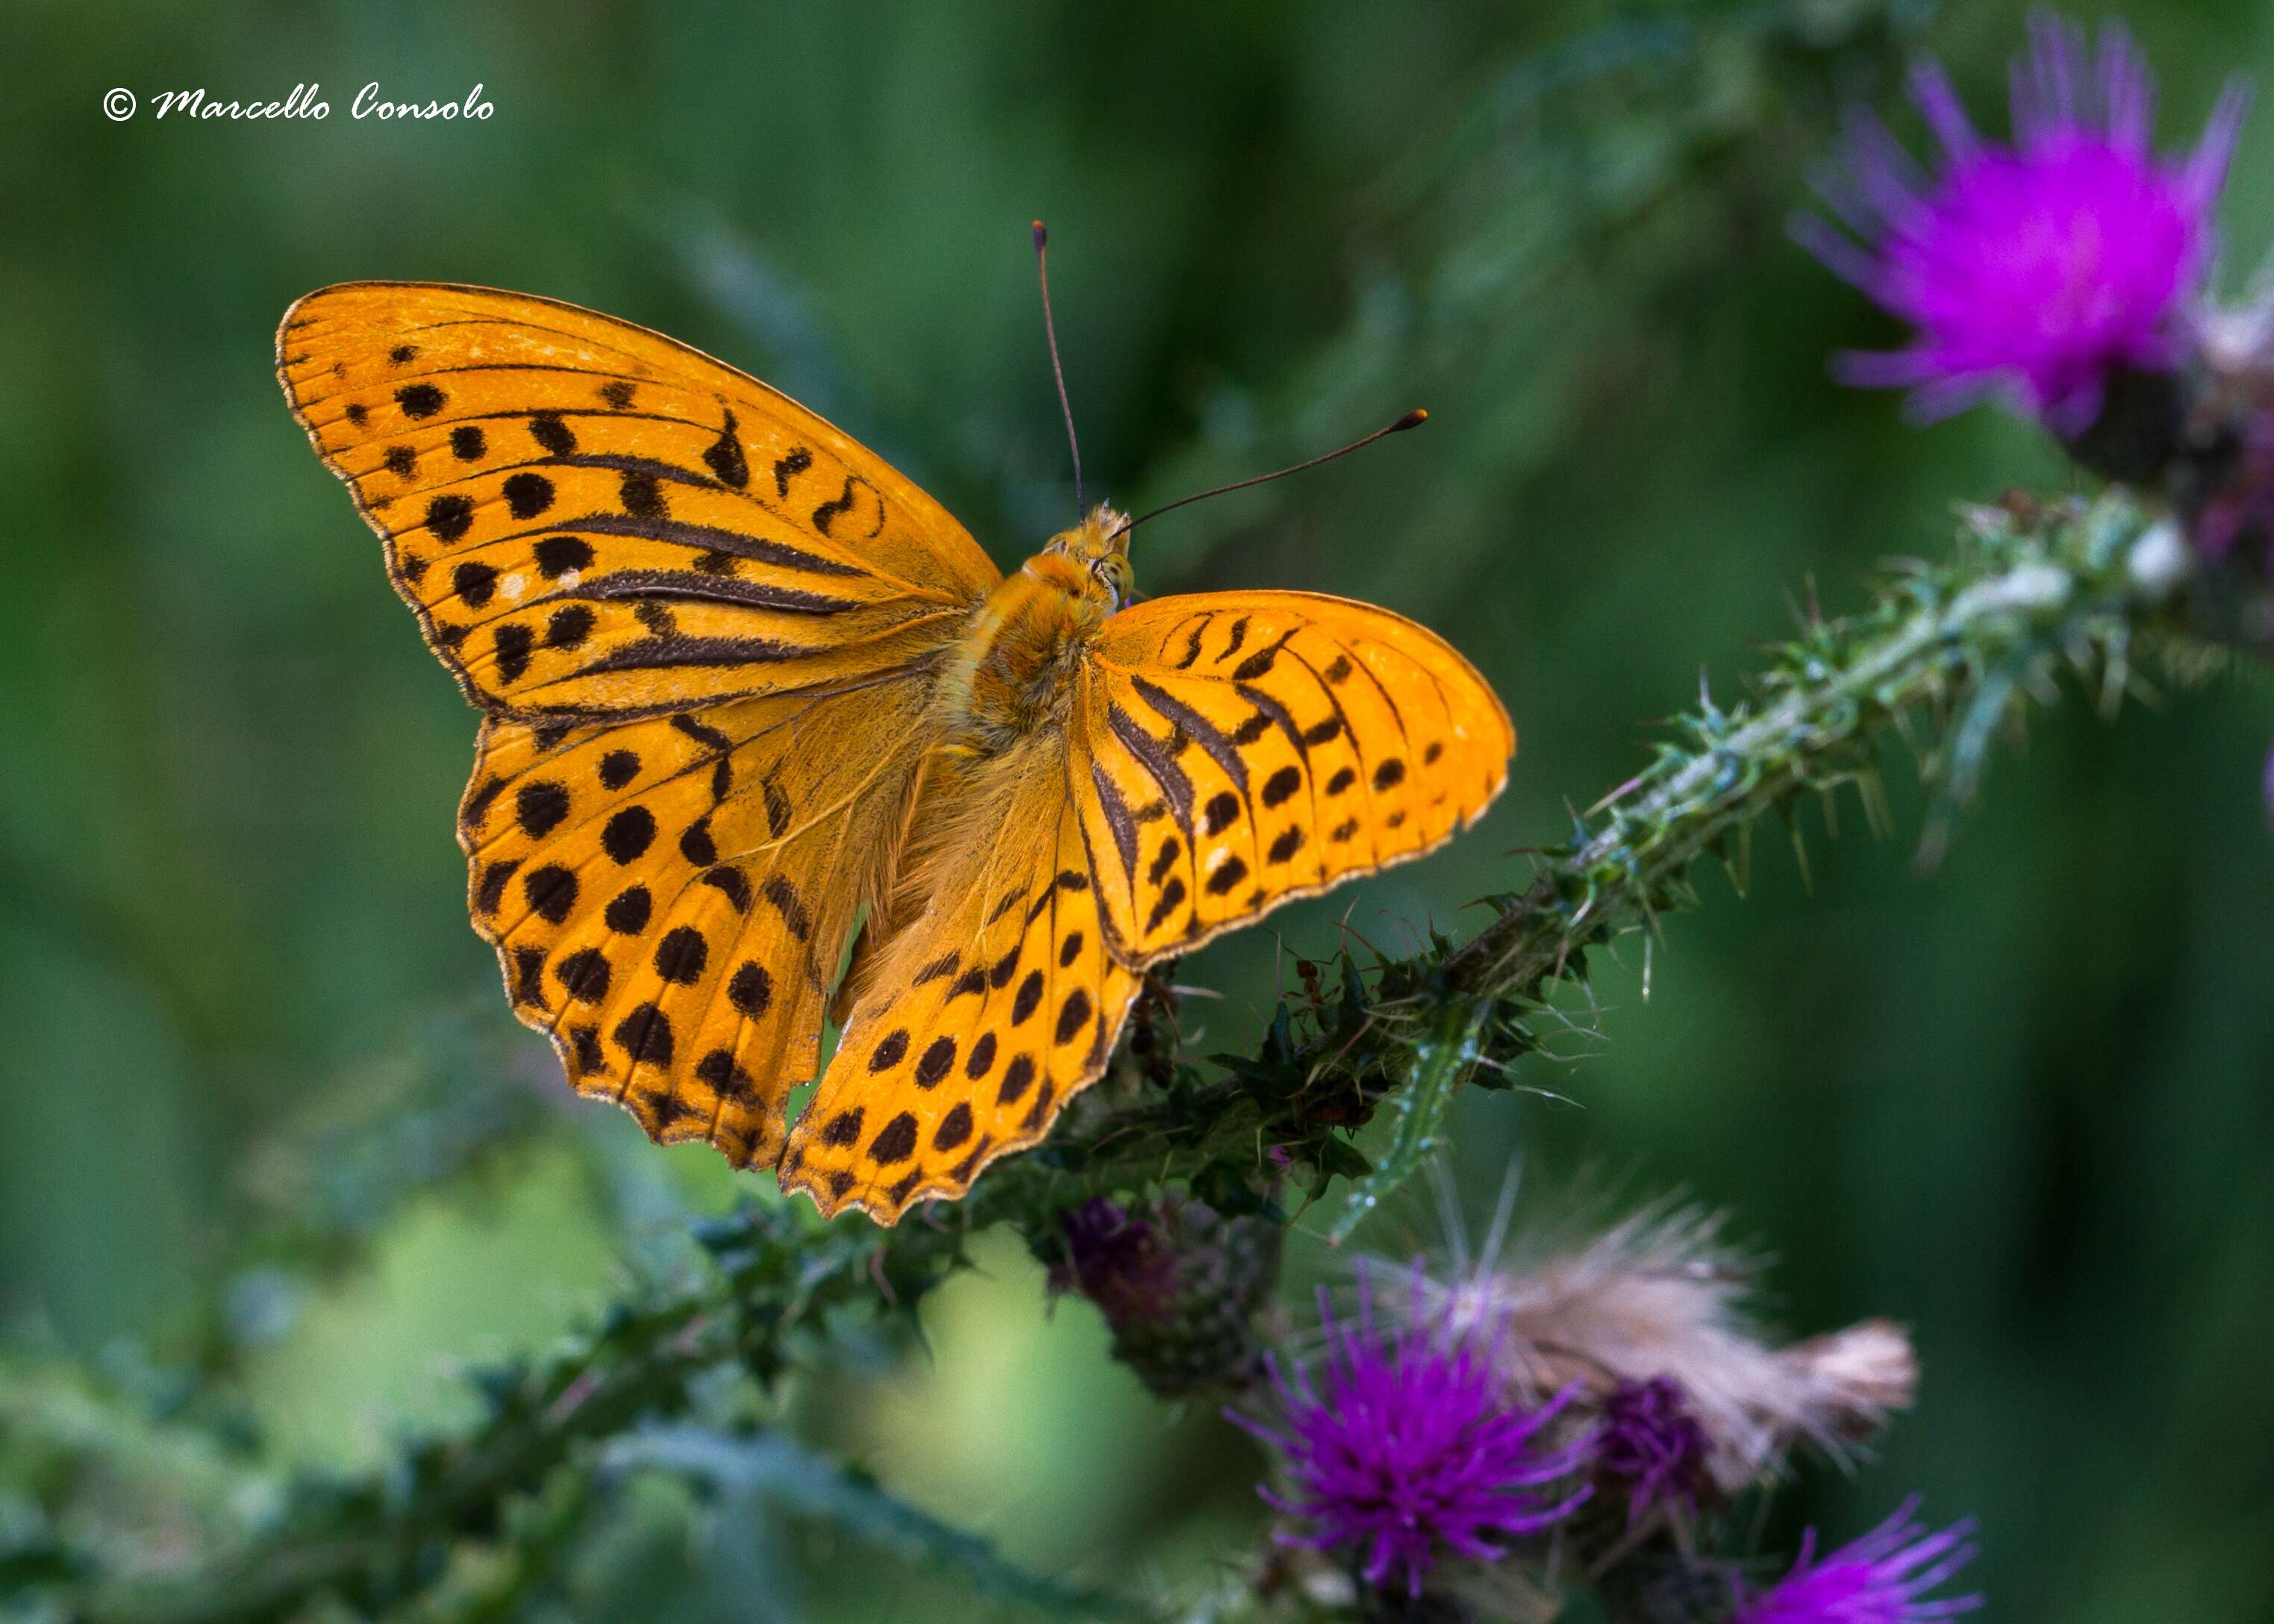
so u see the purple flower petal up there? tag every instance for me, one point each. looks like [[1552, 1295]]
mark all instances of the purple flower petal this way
[[1882, 1578], [2034, 269], [1398, 1447]]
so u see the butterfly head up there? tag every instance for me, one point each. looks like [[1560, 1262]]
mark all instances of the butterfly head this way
[[1099, 549]]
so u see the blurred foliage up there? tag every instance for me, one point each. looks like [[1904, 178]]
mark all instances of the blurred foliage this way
[[265, 1108]]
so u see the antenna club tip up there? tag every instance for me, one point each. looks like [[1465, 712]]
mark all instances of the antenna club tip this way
[[1041, 236], [1412, 420]]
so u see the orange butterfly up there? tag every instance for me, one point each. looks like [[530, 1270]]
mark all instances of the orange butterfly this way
[[746, 690]]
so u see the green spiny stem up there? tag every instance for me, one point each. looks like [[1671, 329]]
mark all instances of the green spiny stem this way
[[1439, 1064], [2072, 584], [1970, 637]]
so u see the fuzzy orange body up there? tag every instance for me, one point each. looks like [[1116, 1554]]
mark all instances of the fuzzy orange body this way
[[748, 695], [1013, 672]]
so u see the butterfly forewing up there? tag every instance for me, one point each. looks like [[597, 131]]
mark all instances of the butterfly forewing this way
[[591, 519], [1237, 749]]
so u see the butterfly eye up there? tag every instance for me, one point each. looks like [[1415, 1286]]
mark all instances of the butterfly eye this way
[[1114, 572]]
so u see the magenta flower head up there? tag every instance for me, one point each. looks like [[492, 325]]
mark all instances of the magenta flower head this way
[[1882, 1578], [2037, 270], [1398, 1446], [1651, 1447]]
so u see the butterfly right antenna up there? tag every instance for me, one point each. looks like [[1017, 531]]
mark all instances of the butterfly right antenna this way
[[1412, 420]]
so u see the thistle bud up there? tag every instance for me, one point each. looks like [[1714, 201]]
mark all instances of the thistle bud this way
[[1179, 1284]]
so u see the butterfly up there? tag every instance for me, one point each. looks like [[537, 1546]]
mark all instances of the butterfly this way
[[768, 742]]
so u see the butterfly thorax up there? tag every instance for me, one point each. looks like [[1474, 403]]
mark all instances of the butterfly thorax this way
[[1013, 673]]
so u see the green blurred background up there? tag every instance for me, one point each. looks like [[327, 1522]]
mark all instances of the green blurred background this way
[[265, 1117]]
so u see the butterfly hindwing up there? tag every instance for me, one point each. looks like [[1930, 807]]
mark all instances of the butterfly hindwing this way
[[590, 519], [980, 1019], [670, 897], [1234, 750]]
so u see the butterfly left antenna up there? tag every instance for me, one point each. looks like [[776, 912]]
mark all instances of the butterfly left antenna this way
[[1050, 332]]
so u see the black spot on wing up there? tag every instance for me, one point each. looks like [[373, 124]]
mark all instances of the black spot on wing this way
[[626, 913], [895, 1141], [696, 844], [729, 1081], [557, 555], [474, 582], [724, 457], [731, 883], [1229, 873], [550, 433], [512, 642], [783, 895], [529, 975], [528, 494], [450, 516], [935, 1063], [539, 807], [645, 1035], [750, 989], [829, 512], [681, 955], [568, 626], [1171, 897], [953, 1129], [490, 892], [628, 834], [1073, 1015], [584, 974], [550, 892]]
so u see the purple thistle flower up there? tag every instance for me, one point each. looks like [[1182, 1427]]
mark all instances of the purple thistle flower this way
[[1652, 1444], [2036, 269], [1403, 1447], [1882, 1578]]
